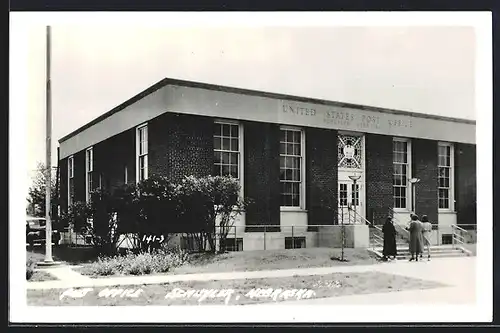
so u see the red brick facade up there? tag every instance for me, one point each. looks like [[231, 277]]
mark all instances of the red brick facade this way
[[110, 159], [262, 178], [465, 183], [424, 167], [180, 145], [321, 176], [379, 174]]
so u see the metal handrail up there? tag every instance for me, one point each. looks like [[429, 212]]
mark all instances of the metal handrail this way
[[364, 219], [459, 228], [402, 231], [377, 240], [457, 237]]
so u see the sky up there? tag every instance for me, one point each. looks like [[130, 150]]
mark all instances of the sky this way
[[95, 68]]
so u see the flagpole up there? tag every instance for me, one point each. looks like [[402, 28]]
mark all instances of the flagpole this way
[[48, 225]]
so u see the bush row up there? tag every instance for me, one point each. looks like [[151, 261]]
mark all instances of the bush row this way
[[159, 261], [158, 206]]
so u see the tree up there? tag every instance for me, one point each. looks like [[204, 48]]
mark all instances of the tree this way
[[209, 205], [102, 209], [36, 194]]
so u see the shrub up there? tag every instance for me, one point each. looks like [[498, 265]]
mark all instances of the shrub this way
[[30, 268], [157, 207], [103, 267], [103, 229], [78, 217], [211, 204], [138, 264]]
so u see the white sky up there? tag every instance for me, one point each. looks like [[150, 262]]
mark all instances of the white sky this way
[[419, 69]]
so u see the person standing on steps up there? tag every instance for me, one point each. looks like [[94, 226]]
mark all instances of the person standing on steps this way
[[426, 235], [389, 231], [415, 229]]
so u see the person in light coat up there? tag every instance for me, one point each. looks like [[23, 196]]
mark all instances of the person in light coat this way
[[415, 229], [426, 235]]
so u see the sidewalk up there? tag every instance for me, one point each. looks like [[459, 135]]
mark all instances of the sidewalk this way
[[67, 282], [438, 270], [458, 273]]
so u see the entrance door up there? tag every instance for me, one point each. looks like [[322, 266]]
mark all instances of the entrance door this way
[[351, 197], [349, 202]]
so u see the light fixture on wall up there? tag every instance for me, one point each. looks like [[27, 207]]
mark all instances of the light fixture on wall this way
[[413, 182]]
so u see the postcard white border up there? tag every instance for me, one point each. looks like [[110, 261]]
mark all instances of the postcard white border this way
[[19, 312]]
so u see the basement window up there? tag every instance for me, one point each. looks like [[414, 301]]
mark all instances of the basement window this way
[[446, 239], [234, 244], [295, 242]]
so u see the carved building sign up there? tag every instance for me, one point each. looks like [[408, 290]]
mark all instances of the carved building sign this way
[[355, 120]]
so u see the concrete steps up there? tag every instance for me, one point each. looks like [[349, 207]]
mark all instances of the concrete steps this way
[[435, 251]]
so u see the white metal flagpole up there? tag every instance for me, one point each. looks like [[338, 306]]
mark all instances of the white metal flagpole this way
[[48, 206]]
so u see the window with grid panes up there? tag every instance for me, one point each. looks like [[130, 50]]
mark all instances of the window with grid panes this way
[[89, 169], [444, 175], [142, 158], [355, 194], [400, 174], [295, 242], [233, 244], [291, 167], [71, 180], [343, 194], [226, 150]]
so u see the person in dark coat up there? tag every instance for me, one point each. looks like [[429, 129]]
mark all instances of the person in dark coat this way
[[415, 229], [390, 249]]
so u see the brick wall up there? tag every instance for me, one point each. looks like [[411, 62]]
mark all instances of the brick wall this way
[[180, 145], [63, 184], [110, 158], [424, 167], [79, 173], [261, 169], [321, 176], [465, 183], [379, 174]]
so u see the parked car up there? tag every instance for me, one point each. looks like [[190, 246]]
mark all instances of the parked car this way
[[35, 231]]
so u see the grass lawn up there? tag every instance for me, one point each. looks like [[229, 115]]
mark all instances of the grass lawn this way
[[41, 276], [236, 292], [64, 254], [275, 259], [34, 256], [38, 275], [268, 260]]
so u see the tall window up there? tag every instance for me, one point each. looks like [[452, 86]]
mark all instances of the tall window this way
[[445, 174], [71, 180], [142, 153], [291, 159], [355, 195], [89, 168], [343, 194], [226, 150], [401, 174]]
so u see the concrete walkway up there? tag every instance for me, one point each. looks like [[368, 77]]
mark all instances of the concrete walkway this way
[[69, 282], [459, 273], [65, 273]]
